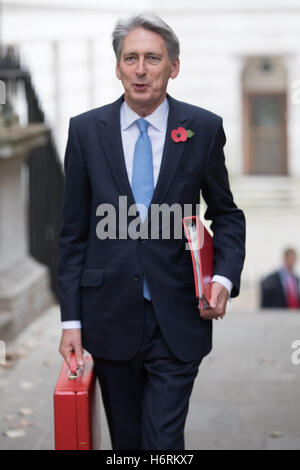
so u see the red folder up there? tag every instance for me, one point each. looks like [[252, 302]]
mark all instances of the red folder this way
[[77, 408], [201, 248]]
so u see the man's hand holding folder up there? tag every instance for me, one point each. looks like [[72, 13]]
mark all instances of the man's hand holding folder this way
[[212, 296], [218, 300]]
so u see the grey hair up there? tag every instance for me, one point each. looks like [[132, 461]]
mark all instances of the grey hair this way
[[148, 21]]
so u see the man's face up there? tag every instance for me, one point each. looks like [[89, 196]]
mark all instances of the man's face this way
[[145, 68], [290, 259]]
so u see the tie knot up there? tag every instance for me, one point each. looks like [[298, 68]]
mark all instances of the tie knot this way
[[143, 125]]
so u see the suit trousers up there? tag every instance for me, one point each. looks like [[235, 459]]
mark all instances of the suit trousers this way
[[146, 399]]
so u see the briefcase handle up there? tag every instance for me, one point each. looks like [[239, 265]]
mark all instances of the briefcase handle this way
[[74, 371]]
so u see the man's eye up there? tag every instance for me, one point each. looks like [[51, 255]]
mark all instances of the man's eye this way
[[130, 58], [153, 58]]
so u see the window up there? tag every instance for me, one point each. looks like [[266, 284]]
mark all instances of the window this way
[[264, 124]]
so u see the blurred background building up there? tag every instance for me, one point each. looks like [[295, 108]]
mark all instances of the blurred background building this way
[[240, 60]]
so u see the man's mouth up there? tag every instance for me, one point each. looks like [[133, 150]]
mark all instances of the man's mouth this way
[[140, 86]]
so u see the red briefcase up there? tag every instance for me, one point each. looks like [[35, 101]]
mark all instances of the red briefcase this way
[[77, 407]]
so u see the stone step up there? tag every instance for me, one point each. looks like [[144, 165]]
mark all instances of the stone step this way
[[267, 192], [6, 324]]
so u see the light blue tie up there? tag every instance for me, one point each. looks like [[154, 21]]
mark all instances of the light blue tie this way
[[142, 177]]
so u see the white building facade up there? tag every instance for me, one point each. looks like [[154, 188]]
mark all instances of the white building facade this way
[[240, 60]]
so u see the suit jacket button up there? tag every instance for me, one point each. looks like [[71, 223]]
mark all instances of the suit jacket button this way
[[137, 278]]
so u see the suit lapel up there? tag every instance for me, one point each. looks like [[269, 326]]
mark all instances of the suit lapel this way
[[172, 151], [111, 140]]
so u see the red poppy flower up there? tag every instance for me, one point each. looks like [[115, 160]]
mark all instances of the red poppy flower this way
[[179, 134]]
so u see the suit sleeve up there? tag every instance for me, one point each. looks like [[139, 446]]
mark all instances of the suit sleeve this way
[[228, 222], [74, 232]]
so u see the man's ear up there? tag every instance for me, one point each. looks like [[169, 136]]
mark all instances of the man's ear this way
[[175, 68], [118, 71]]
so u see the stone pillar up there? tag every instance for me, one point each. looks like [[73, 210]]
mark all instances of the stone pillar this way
[[24, 283]]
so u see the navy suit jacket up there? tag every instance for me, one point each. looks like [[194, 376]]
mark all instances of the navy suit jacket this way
[[272, 293], [101, 281]]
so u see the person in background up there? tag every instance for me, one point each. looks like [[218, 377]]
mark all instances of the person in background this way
[[280, 289]]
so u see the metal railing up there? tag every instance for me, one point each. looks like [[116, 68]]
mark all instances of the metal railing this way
[[46, 176]]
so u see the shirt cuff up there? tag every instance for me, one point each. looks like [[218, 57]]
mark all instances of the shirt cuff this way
[[224, 281], [68, 325]]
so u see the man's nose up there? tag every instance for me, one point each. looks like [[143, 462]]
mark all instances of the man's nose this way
[[140, 70]]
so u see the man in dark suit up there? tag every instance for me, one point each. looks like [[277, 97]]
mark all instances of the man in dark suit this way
[[130, 300], [281, 289]]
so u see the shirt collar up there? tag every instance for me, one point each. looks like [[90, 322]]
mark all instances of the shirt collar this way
[[286, 272], [157, 119]]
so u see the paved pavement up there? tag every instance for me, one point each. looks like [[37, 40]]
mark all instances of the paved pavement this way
[[246, 395]]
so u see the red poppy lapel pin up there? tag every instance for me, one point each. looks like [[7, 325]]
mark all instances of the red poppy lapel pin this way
[[181, 134]]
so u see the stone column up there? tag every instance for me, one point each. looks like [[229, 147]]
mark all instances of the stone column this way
[[24, 282]]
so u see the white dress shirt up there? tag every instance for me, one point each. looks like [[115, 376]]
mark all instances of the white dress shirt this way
[[157, 133]]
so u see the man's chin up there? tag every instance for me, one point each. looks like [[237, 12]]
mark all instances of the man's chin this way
[[140, 100], [141, 96], [143, 99]]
